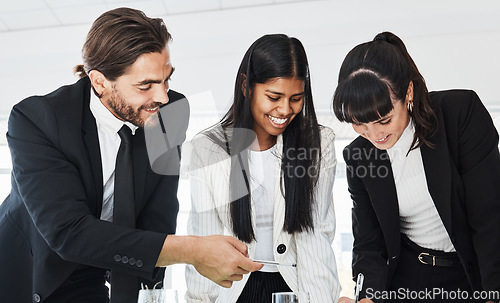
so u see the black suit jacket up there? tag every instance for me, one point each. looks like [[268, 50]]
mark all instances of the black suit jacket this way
[[49, 223], [463, 178]]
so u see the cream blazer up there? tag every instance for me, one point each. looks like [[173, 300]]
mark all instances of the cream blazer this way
[[316, 270]]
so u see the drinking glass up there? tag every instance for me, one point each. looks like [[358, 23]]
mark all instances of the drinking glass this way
[[157, 296], [291, 297]]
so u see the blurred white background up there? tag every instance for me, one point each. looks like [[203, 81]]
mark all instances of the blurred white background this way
[[456, 44]]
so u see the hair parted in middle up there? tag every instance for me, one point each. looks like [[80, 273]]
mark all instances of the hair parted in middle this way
[[269, 57]]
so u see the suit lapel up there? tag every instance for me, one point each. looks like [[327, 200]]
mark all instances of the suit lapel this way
[[379, 180], [91, 139], [438, 173]]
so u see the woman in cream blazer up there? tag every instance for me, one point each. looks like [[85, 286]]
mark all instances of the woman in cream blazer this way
[[217, 160]]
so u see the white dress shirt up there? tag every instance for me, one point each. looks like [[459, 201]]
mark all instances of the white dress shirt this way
[[108, 126], [419, 218]]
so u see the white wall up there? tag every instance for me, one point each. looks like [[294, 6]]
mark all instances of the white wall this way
[[455, 43]]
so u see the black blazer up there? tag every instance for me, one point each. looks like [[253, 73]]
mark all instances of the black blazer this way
[[463, 178], [49, 223]]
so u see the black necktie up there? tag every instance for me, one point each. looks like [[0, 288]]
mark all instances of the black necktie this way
[[124, 287], [124, 206]]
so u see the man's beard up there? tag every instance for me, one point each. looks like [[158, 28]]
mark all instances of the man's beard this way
[[126, 112]]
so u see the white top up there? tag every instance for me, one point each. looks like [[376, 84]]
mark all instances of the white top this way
[[261, 166], [419, 218], [109, 142]]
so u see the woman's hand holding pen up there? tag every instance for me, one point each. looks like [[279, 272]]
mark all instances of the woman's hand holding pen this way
[[359, 287]]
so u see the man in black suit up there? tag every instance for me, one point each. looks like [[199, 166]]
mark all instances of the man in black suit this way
[[66, 225]]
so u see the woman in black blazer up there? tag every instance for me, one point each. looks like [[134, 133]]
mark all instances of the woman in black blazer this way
[[424, 176]]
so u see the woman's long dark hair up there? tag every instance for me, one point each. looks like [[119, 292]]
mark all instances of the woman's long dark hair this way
[[370, 74], [270, 57]]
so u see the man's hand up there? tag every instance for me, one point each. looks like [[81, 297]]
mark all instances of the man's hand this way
[[222, 259]]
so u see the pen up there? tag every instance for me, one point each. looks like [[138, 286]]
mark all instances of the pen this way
[[359, 286], [274, 263]]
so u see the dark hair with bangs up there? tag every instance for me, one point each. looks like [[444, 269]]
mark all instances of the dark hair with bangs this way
[[269, 57], [374, 71], [366, 97]]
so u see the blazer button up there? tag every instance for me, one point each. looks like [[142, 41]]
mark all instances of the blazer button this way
[[131, 261], [390, 259], [36, 298], [139, 263], [281, 249], [117, 258], [124, 259]]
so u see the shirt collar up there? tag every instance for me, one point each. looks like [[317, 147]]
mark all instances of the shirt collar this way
[[406, 139], [108, 122]]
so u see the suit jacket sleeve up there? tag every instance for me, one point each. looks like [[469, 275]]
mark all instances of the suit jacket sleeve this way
[[51, 187], [479, 167], [369, 255], [316, 265]]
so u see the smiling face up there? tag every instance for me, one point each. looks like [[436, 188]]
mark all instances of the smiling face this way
[[274, 104], [137, 94], [386, 131]]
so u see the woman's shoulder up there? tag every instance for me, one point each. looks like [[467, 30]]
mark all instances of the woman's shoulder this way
[[458, 108], [327, 145], [454, 100], [327, 134], [211, 139]]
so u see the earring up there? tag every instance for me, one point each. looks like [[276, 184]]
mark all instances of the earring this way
[[410, 105]]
